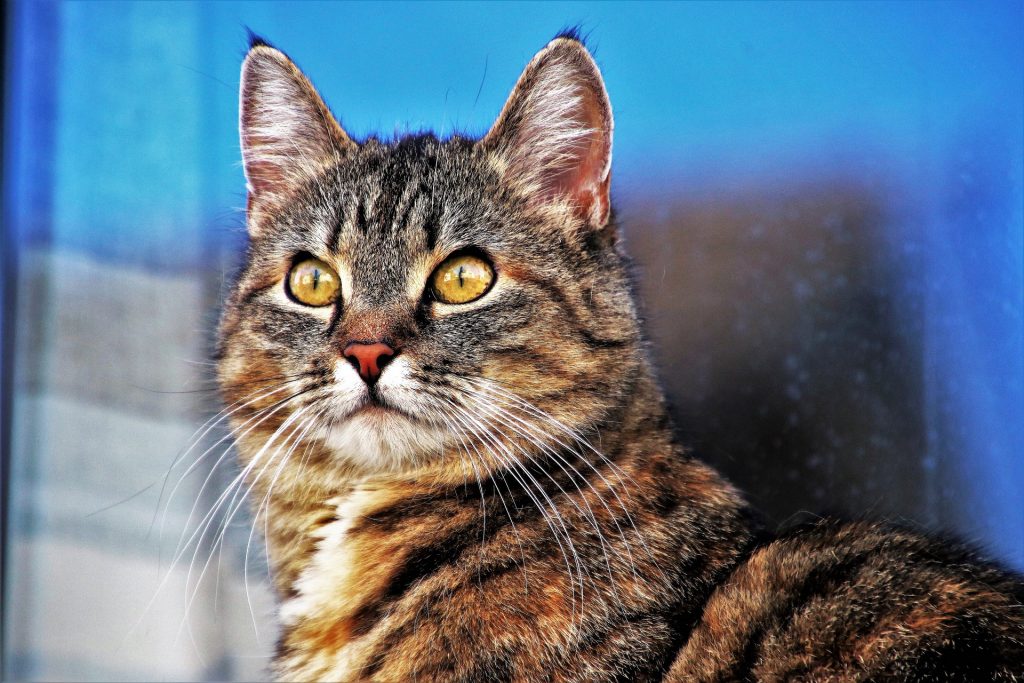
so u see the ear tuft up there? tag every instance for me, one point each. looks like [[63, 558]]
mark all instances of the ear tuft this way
[[571, 33], [256, 40], [554, 135], [287, 132]]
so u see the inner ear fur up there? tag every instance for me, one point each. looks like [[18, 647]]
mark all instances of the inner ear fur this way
[[554, 134], [287, 131]]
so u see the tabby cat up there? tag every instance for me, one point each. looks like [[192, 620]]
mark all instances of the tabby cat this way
[[461, 457]]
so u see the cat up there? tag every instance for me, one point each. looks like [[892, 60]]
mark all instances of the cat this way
[[464, 465]]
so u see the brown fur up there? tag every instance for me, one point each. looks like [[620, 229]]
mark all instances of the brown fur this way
[[509, 503]]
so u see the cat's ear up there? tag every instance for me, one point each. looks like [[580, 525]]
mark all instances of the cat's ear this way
[[554, 135], [286, 130]]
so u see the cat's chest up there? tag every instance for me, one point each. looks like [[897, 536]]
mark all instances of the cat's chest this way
[[324, 583], [323, 634]]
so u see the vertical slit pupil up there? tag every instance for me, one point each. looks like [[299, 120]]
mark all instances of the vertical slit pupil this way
[[461, 269], [316, 277]]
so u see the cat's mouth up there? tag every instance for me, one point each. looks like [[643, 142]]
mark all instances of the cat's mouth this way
[[376, 410], [382, 425], [379, 434], [376, 407]]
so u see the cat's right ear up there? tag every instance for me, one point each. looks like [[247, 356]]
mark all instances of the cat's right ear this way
[[287, 132]]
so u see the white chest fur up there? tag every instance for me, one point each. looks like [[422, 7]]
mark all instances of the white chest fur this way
[[326, 588]]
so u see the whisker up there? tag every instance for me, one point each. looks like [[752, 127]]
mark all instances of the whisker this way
[[244, 403], [255, 420], [483, 505], [589, 512], [220, 501], [619, 473], [265, 503], [251, 423], [460, 435], [575, 435], [565, 495], [527, 428], [510, 466]]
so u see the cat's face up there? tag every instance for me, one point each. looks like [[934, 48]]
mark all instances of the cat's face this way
[[410, 300]]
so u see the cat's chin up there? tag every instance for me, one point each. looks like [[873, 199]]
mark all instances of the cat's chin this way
[[378, 439]]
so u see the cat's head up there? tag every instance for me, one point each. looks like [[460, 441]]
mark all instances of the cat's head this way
[[410, 300]]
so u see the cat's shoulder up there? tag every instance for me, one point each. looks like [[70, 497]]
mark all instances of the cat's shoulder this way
[[839, 600]]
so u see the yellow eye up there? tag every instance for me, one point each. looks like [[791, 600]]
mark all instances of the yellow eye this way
[[461, 279], [313, 282]]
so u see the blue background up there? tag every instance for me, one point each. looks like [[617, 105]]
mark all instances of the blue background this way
[[121, 150]]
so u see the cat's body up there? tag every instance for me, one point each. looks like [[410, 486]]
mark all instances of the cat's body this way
[[487, 487]]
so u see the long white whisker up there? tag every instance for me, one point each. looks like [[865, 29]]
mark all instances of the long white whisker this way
[[183, 548], [196, 439], [220, 501], [494, 388], [498, 414], [463, 417], [460, 435], [196, 463], [506, 458], [265, 503], [258, 418], [523, 466], [483, 503], [526, 428], [256, 415], [619, 473]]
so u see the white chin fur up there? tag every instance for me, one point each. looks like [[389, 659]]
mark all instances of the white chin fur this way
[[379, 440], [384, 442]]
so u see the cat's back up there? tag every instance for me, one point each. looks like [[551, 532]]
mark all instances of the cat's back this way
[[857, 602]]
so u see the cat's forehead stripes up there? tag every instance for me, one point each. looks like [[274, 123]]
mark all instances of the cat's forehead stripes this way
[[390, 191]]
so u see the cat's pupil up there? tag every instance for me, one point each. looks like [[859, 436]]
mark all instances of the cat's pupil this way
[[316, 277], [461, 269]]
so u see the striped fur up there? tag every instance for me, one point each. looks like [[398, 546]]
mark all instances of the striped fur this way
[[507, 502]]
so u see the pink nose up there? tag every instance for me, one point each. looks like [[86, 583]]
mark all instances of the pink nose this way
[[368, 359]]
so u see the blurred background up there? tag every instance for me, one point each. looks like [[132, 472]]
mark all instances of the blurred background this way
[[823, 202]]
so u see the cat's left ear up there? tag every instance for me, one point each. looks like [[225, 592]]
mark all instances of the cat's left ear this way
[[287, 132], [554, 136]]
